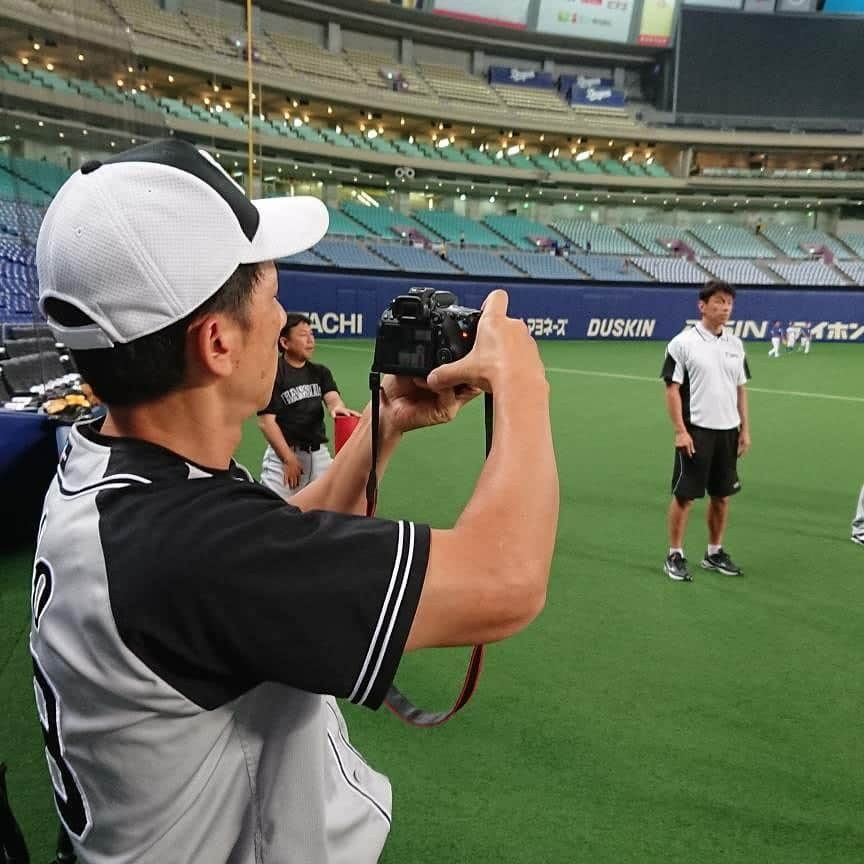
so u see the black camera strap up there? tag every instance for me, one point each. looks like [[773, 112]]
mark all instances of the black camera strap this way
[[396, 701]]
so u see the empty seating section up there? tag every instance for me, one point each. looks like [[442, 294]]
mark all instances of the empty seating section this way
[[310, 59], [46, 177], [374, 68], [223, 38], [655, 169], [145, 17], [519, 231], [853, 269], [478, 263], [671, 269], [614, 167], [451, 227], [454, 85], [533, 99], [542, 265], [619, 118], [17, 280], [808, 273], [92, 10], [308, 258], [19, 219], [797, 242], [602, 238], [342, 224], [13, 186], [345, 253], [605, 268], [855, 242], [731, 241], [656, 237], [14, 252], [737, 272], [385, 221], [413, 259]]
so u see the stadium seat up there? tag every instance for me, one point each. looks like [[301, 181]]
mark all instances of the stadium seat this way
[[413, 259], [344, 253], [542, 265], [603, 238], [478, 263]]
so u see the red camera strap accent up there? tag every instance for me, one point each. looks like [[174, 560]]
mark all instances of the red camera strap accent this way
[[396, 701], [402, 706]]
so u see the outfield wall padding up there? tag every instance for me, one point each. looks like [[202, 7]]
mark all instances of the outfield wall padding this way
[[349, 304]]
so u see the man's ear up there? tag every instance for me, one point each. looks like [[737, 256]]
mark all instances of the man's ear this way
[[213, 342]]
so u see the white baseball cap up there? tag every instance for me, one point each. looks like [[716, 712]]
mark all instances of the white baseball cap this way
[[140, 240]]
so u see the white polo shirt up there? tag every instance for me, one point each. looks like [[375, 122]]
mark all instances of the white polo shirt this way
[[709, 369]]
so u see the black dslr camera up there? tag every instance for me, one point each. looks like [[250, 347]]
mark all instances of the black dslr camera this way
[[421, 330]]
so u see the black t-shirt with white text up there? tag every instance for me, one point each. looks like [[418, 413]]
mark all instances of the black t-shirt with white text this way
[[297, 402]]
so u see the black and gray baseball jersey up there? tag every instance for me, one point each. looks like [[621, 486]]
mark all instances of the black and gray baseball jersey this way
[[296, 402], [709, 370], [185, 620]]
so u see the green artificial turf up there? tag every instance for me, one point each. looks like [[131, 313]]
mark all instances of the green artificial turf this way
[[637, 720]]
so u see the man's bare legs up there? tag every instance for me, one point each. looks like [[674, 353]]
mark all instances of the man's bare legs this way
[[679, 510], [717, 517]]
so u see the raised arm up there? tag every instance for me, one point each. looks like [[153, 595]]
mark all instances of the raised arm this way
[[486, 577]]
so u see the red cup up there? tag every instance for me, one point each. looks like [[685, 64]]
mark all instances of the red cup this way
[[343, 426]]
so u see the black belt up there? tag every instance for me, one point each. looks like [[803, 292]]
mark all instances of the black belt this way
[[306, 448]]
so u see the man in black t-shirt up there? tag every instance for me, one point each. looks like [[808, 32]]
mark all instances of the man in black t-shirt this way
[[293, 421]]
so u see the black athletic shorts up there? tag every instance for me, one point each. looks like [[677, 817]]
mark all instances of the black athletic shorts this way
[[713, 467]]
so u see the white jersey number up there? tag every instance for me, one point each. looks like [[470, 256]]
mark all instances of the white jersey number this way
[[71, 803]]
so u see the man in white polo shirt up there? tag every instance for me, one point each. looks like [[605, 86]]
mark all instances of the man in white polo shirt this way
[[705, 373]]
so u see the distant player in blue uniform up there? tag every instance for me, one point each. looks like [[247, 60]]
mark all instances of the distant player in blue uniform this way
[[776, 339]]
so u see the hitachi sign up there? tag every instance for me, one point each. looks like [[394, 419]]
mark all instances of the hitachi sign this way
[[621, 328], [336, 323]]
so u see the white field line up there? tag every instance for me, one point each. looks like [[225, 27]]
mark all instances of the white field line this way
[[591, 373]]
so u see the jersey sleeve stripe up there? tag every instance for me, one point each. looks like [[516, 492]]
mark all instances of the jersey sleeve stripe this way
[[394, 614], [115, 481], [368, 659]]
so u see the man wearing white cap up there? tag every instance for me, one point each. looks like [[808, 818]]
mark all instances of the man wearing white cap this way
[[185, 619]]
